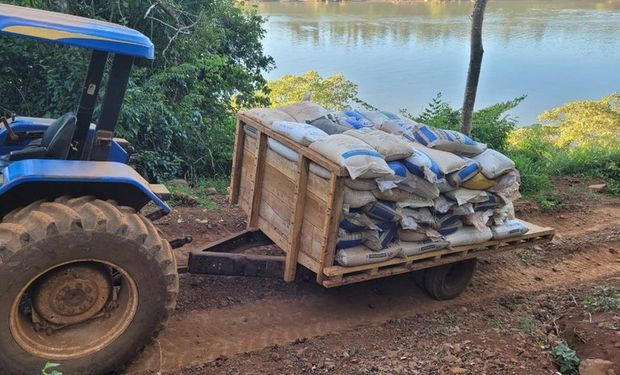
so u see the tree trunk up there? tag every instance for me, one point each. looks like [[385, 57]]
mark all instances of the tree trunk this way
[[475, 62]]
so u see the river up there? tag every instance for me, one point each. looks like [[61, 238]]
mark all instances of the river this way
[[402, 53]]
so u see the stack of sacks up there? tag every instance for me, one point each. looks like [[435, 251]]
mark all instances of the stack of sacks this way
[[411, 189]]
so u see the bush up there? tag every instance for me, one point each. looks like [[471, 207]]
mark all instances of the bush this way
[[333, 92], [566, 359], [179, 112]]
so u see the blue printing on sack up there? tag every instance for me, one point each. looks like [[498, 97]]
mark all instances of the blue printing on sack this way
[[447, 231], [387, 236], [351, 227], [448, 135], [399, 168], [352, 153], [383, 210], [354, 123], [470, 170], [358, 116], [428, 133]]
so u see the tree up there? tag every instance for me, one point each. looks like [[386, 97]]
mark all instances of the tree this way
[[333, 92], [178, 113], [475, 63], [587, 122]]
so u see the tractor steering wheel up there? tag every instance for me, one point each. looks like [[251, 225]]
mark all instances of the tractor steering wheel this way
[[13, 137]]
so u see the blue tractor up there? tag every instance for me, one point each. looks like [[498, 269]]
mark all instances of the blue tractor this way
[[85, 279]]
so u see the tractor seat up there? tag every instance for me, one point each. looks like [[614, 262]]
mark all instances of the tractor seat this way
[[54, 144]]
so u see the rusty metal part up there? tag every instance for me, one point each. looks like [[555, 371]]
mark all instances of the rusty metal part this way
[[72, 294]]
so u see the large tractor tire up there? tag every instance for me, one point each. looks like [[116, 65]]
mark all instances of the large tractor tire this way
[[83, 283]]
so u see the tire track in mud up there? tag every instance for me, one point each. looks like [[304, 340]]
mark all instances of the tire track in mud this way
[[202, 336]]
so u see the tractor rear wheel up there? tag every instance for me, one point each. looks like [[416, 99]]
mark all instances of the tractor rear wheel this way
[[83, 283]]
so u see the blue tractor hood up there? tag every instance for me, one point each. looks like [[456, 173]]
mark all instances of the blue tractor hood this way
[[74, 31]]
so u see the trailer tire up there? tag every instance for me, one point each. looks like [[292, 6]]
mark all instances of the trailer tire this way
[[60, 262], [450, 280]]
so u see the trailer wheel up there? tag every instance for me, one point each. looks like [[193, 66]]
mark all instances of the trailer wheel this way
[[83, 283], [450, 280]]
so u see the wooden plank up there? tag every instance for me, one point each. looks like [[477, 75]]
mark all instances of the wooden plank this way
[[257, 188], [541, 235], [297, 220], [380, 270], [307, 152], [160, 190], [235, 179], [332, 221]]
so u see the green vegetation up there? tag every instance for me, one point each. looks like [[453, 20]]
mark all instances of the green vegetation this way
[[334, 92], [527, 324], [542, 151], [50, 369], [178, 113], [566, 359], [605, 298], [525, 255]]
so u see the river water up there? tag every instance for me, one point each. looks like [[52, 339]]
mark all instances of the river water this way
[[402, 53]]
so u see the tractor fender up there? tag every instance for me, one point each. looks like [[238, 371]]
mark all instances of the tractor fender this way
[[27, 181]]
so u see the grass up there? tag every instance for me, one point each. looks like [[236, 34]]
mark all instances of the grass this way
[[525, 255], [604, 298], [495, 322], [527, 324]]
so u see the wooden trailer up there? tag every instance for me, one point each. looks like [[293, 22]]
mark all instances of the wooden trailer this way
[[300, 212]]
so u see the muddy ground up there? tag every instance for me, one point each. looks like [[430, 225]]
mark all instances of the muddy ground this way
[[519, 306]]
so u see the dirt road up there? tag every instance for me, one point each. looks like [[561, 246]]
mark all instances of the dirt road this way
[[220, 318]]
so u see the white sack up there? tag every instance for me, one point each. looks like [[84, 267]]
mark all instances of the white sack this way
[[298, 132], [446, 161], [469, 236], [415, 248], [293, 156], [360, 184], [462, 196], [389, 146], [267, 116], [360, 159], [358, 255], [357, 198], [402, 127], [512, 228], [493, 163], [304, 111], [448, 140]]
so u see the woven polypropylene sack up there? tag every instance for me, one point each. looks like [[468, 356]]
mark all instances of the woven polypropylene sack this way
[[346, 239], [478, 182], [512, 228], [304, 134], [420, 247], [468, 236], [358, 255], [447, 162], [448, 140], [389, 146], [360, 184], [494, 163], [267, 116], [329, 126], [304, 111], [360, 159], [357, 198], [465, 174]]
